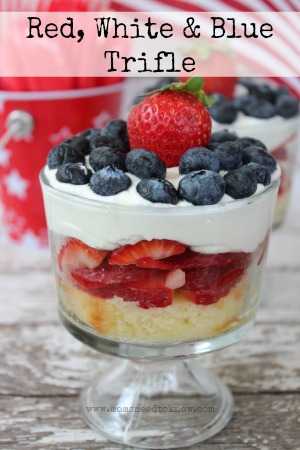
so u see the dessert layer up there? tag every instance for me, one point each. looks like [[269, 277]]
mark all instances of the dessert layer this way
[[273, 132], [180, 321], [126, 218]]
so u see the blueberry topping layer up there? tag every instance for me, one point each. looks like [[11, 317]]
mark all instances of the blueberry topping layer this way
[[246, 161], [262, 101]]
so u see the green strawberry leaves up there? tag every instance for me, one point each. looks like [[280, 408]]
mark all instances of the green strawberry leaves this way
[[193, 85]]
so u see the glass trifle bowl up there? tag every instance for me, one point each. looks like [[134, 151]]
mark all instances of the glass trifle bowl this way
[[157, 263], [270, 113]]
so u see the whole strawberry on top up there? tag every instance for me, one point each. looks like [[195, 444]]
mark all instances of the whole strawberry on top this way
[[171, 120]]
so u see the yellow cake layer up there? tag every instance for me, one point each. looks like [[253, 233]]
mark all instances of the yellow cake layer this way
[[183, 320]]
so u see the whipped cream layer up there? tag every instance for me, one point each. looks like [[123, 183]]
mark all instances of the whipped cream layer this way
[[273, 132], [126, 218]]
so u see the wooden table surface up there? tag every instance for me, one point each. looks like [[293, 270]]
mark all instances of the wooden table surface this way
[[43, 368]]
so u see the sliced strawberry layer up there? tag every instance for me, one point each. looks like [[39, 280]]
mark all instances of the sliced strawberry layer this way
[[77, 255], [107, 275], [155, 249], [190, 260]]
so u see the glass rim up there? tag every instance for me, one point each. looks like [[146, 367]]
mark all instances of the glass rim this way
[[153, 208]]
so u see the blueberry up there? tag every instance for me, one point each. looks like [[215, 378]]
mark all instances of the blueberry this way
[[247, 141], [260, 90], [247, 82], [212, 145], [198, 158], [263, 92], [282, 90], [223, 136], [109, 181], [81, 144], [259, 156], [240, 183], [158, 190], [63, 154], [230, 155], [107, 156], [262, 173], [287, 106], [219, 98], [224, 112], [145, 164], [202, 188], [107, 141], [117, 129], [241, 101], [73, 173], [261, 109], [89, 133]]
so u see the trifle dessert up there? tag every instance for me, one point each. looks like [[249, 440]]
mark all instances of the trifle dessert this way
[[266, 112], [159, 228]]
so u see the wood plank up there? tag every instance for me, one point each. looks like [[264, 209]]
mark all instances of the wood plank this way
[[46, 360], [261, 421]]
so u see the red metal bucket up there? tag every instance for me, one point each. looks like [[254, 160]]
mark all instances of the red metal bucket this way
[[56, 115]]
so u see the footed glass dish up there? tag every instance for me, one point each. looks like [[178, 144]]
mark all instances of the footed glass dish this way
[[157, 285]]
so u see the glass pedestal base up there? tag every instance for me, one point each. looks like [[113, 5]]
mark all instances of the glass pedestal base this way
[[157, 405]]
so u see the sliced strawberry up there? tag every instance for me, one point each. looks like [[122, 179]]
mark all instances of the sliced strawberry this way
[[107, 274], [280, 153], [285, 183], [199, 297], [148, 294], [156, 249], [190, 260], [205, 297], [211, 278], [77, 255], [231, 275]]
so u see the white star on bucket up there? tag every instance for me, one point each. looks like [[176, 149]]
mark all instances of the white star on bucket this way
[[30, 240], [16, 185], [4, 157]]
